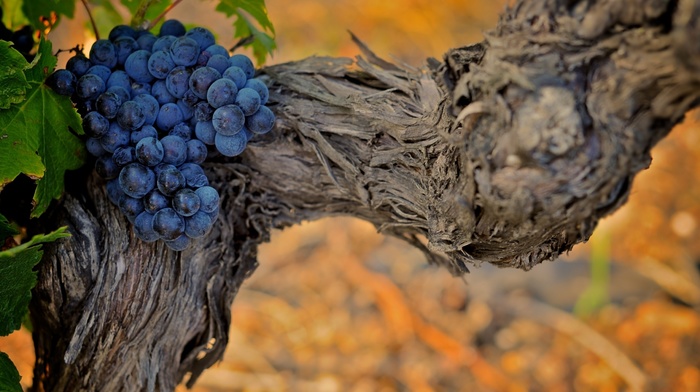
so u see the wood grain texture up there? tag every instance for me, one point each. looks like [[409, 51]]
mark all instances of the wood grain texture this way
[[508, 151]]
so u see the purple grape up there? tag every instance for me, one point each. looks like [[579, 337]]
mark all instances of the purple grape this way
[[222, 92], [149, 151], [94, 147], [231, 145], [143, 227], [89, 87], [218, 62], [62, 82], [161, 94], [248, 100], [136, 66], [78, 65], [194, 175], [203, 37], [198, 224], [131, 115], [261, 121], [130, 206], [122, 31], [260, 88], [160, 64], [237, 75], [119, 78], [175, 150], [136, 180], [209, 199], [244, 63], [124, 47], [205, 132], [201, 79], [169, 115], [95, 124], [177, 81], [115, 136], [170, 180], [186, 202], [103, 52], [142, 133], [228, 120], [168, 224], [155, 201], [124, 155], [196, 151], [180, 243], [172, 27], [184, 51], [106, 167], [107, 104], [150, 107]]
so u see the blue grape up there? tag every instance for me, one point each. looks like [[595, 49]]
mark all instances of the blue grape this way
[[196, 151], [161, 93], [124, 47], [228, 120], [122, 31], [136, 180], [140, 88], [231, 145], [160, 64], [124, 155], [185, 108], [237, 75], [146, 41], [260, 88], [143, 227], [62, 82], [203, 111], [136, 66], [169, 115], [114, 191], [115, 136], [180, 243], [94, 147], [142, 133], [149, 151], [184, 51], [130, 206], [261, 121], [163, 43], [205, 132], [222, 92], [244, 63], [131, 115], [248, 133], [155, 201], [209, 199], [78, 65], [168, 224], [120, 92], [198, 224], [150, 107], [202, 36], [218, 62], [182, 130], [217, 49], [175, 150], [103, 52], [248, 100], [119, 78], [95, 124], [89, 87], [177, 81], [186, 202], [107, 104], [106, 167], [203, 59], [101, 71], [170, 180], [194, 175], [201, 79], [172, 27]]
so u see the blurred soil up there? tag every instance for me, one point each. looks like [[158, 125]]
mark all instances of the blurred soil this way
[[335, 306]]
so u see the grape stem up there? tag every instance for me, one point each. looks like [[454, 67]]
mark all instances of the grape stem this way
[[92, 20], [162, 15], [140, 13]]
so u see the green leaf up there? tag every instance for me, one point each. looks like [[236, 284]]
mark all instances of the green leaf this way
[[13, 17], [6, 229], [264, 42], [35, 9], [35, 138], [9, 376], [17, 278], [13, 83]]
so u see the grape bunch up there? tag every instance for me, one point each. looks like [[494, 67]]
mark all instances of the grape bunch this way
[[154, 108]]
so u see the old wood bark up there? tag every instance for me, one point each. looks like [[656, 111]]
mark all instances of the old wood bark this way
[[507, 152]]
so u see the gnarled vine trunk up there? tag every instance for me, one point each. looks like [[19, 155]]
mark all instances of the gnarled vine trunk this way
[[507, 152]]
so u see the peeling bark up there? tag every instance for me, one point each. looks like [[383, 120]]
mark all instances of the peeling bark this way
[[508, 151]]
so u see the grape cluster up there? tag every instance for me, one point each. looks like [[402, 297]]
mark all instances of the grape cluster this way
[[153, 108], [22, 39]]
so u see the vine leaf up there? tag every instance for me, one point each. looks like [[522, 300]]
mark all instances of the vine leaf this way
[[13, 83], [6, 229], [264, 41], [35, 138], [9, 376], [36, 9], [17, 278]]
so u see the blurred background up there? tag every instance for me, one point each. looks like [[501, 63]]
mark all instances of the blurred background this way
[[335, 306]]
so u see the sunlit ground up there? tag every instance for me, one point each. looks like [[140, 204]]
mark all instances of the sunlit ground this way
[[335, 306]]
